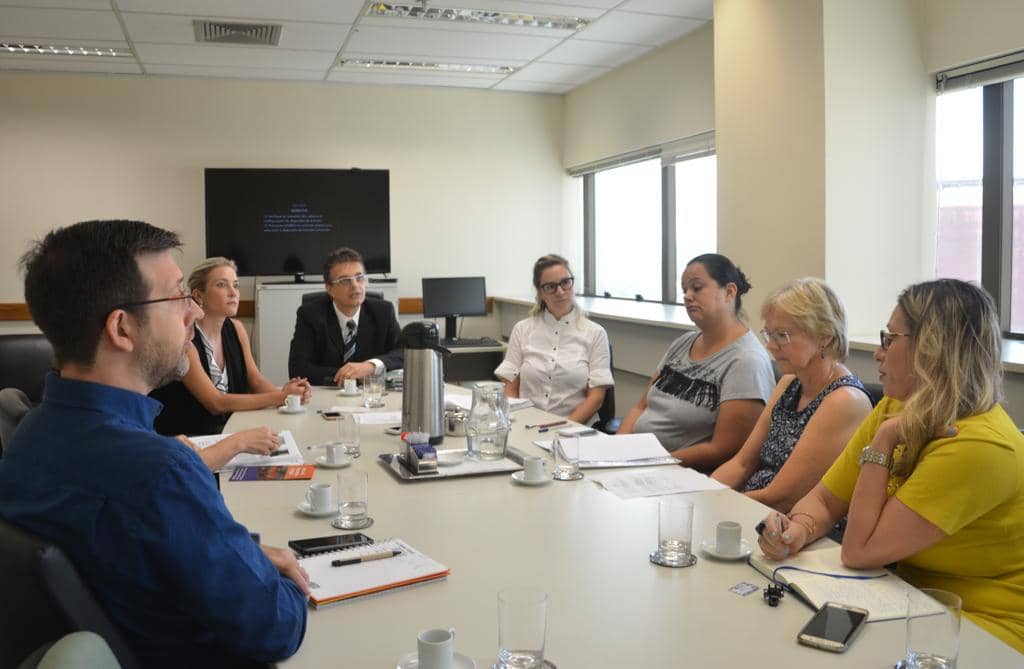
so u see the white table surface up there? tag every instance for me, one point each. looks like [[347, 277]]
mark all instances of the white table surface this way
[[609, 606]]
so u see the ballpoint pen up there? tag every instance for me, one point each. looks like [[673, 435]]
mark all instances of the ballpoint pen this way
[[546, 426], [366, 558]]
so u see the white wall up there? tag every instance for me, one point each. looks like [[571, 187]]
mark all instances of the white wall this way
[[957, 32], [663, 96], [769, 132], [477, 183], [879, 171]]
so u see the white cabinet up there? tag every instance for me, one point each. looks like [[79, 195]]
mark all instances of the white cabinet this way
[[274, 320]]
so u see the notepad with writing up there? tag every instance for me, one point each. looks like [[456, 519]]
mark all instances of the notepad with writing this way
[[331, 585], [819, 576]]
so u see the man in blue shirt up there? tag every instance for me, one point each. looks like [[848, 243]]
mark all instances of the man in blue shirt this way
[[137, 513]]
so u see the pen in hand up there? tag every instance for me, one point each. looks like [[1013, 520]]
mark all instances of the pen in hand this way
[[366, 558]]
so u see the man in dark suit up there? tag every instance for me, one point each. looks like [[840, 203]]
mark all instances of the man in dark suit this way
[[344, 334]]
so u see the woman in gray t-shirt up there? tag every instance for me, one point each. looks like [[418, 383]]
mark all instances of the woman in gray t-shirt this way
[[719, 371]]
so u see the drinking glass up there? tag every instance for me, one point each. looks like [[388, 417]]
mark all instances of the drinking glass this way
[[933, 629], [348, 433], [352, 501], [675, 531], [522, 628], [566, 455], [373, 391]]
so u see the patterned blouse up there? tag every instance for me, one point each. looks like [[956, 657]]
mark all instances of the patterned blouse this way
[[786, 427]]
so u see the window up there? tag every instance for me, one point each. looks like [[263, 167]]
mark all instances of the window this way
[[980, 178], [646, 214], [627, 230]]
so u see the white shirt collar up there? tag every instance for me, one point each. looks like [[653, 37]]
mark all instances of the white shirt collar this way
[[343, 319], [550, 319]]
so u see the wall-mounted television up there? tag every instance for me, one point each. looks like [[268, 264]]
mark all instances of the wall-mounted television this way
[[284, 221]]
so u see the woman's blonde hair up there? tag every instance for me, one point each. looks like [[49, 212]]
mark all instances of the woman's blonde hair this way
[[817, 310], [956, 349], [201, 272], [545, 262]]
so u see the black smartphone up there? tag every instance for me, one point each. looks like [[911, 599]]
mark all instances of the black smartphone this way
[[833, 627], [305, 547], [330, 415]]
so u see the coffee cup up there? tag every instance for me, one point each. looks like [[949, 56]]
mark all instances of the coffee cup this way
[[293, 402], [727, 538], [533, 468], [350, 386], [320, 497], [434, 648], [334, 454]]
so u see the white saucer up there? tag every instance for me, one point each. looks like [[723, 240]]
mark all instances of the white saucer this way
[[322, 462], [517, 477], [284, 409], [345, 393], [708, 546], [303, 506], [450, 459], [459, 661]]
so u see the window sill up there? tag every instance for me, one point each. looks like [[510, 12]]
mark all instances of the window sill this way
[[1013, 351]]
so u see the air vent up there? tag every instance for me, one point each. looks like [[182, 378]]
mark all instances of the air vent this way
[[217, 32]]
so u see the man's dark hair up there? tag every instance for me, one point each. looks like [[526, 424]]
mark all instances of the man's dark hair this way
[[77, 275], [339, 256]]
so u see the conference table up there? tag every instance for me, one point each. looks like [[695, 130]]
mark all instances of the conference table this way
[[587, 548]]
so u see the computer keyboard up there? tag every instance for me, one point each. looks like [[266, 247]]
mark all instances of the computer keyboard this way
[[465, 342]]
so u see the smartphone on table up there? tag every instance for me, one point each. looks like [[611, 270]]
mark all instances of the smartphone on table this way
[[833, 627], [306, 547]]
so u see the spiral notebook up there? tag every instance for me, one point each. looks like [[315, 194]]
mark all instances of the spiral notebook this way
[[332, 585]]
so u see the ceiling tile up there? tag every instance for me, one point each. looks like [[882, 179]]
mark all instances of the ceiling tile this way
[[233, 56], [55, 64], [68, 23], [645, 29], [235, 72], [174, 29], [411, 79], [586, 52], [558, 74], [694, 9], [335, 11], [442, 44], [533, 87]]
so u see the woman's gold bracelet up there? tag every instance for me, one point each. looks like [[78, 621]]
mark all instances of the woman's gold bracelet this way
[[810, 528]]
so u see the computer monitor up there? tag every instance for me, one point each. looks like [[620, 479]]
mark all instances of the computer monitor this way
[[452, 297]]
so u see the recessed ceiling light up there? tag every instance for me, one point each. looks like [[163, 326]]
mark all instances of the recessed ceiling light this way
[[491, 17], [425, 66], [62, 50]]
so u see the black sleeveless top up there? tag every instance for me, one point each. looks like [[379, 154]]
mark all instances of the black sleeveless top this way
[[183, 414]]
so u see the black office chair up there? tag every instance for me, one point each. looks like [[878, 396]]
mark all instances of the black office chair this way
[[24, 361], [44, 599], [306, 297], [607, 422], [874, 392]]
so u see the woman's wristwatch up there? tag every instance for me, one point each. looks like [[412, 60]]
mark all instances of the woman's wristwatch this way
[[869, 454]]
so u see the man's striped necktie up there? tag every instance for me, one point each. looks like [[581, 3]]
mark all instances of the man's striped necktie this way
[[350, 341]]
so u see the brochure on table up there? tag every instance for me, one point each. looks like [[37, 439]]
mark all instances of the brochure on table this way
[[287, 454]]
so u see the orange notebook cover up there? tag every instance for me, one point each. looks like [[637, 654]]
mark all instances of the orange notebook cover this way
[[331, 585]]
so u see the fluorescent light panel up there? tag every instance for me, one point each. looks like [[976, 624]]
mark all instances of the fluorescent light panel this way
[[62, 50], [491, 17], [425, 66]]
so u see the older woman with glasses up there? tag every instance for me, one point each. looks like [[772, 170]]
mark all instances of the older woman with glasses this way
[[713, 382], [934, 477], [816, 406], [222, 375], [557, 358]]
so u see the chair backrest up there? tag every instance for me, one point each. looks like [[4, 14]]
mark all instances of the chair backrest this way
[[874, 392], [44, 598], [606, 413], [24, 361], [306, 297]]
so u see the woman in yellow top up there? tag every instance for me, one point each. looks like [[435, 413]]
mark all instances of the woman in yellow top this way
[[934, 477]]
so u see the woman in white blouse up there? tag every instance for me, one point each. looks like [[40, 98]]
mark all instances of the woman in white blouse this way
[[557, 358]]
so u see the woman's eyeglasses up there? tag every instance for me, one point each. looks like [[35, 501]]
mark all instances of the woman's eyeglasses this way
[[885, 338], [550, 288], [779, 337]]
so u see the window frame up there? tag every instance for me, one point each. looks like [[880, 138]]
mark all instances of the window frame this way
[[669, 262]]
